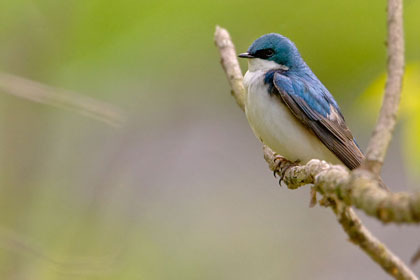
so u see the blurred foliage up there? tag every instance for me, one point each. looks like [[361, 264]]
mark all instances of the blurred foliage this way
[[158, 199], [409, 114]]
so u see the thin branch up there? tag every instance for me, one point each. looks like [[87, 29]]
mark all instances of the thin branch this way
[[382, 135], [325, 183], [362, 237], [230, 65], [37, 92]]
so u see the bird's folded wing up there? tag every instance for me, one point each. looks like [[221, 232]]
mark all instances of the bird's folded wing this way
[[321, 116]]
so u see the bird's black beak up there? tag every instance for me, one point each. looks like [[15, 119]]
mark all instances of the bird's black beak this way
[[246, 55]]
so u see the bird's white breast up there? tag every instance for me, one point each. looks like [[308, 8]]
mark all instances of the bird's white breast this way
[[275, 125]]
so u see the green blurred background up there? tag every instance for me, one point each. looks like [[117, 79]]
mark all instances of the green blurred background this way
[[180, 190]]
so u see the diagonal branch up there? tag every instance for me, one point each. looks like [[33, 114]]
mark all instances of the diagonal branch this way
[[382, 135], [325, 183], [230, 64], [363, 238], [44, 94]]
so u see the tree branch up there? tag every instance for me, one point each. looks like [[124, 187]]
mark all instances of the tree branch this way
[[382, 134], [362, 237], [230, 65], [352, 189], [333, 181], [44, 94]]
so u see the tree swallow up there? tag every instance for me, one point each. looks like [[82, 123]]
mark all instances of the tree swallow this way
[[290, 110]]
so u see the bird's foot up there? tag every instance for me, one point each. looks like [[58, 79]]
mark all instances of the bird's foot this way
[[282, 165]]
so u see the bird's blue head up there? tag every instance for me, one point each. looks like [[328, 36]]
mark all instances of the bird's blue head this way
[[274, 47]]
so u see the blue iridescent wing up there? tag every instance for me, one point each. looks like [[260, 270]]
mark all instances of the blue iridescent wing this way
[[314, 107]]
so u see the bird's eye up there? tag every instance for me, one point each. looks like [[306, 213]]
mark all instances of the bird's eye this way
[[269, 52], [265, 53]]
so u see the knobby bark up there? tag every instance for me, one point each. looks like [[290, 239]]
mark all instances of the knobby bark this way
[[352, 189]]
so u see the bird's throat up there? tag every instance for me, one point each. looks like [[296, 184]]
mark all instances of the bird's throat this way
[[258, 64]]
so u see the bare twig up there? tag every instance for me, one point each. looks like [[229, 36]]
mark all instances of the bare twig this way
[[230, 65], [41, 93], [74, 265], [312, 173], [363, 238], [382, 135]]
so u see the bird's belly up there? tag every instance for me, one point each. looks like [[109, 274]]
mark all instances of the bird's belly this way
[[278, 128]]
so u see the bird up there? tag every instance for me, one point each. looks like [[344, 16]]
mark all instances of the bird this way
[[290, 110]]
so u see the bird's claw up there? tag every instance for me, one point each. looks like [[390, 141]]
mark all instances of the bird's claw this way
[[277, 164], [282, 165]]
